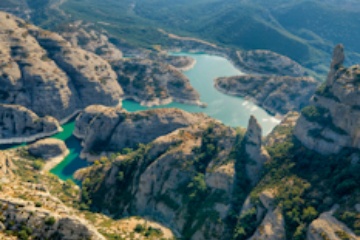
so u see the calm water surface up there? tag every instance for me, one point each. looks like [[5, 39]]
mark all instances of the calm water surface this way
[[232, 111]]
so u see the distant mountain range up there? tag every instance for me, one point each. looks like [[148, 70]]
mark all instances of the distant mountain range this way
[[302, 30]]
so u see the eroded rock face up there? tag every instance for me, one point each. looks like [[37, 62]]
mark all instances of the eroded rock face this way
[[85, 36], [331, 122], [272, 227], [48, 148], [257, 155], [18, 124], [276, 94], [154, 83], [43, 72], [328, 227], [112, 129], [157, 180]]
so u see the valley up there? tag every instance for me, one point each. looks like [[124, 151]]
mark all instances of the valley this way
[[199, 120]]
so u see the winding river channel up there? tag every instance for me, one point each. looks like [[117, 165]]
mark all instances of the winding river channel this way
[[232, 111]]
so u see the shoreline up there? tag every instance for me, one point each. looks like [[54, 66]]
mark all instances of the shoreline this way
[[160, 102], [253, 100], [32, 138], [53, 162], [189, 67], [224, 53]]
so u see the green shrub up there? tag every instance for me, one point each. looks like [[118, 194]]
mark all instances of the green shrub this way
[[38, 165], [315, 114], [50, 221], [23, 235], [139, 228]]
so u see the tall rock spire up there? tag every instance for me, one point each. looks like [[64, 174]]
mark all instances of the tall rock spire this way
[[337, 61], [255, 151]]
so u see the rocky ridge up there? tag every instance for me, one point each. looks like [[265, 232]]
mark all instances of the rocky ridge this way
[[154, 83], [106, 129], [83, 35], [276, 94], [43, 72], [267, 62], [158, 179], [330, 123]]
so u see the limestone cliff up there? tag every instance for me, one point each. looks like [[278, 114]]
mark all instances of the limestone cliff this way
[[276, 94], [43, 72], [331, 122], [112, 129], [18, 124], [154, 83]]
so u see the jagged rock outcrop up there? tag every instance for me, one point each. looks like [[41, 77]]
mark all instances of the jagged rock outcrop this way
[[84, 35], [48, 148], [154, 83], [331, 122], [256, 153], [43, 72], [276, 94], [178, 178], [18, 124], [112, 129], [328, 227]]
